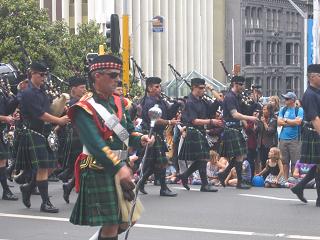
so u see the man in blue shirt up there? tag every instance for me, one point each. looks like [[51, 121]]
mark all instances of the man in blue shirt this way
[[290, 119]]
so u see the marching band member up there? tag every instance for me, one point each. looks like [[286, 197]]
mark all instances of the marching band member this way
[[234, 144], [195, 147], [36, 117], [156, 160]]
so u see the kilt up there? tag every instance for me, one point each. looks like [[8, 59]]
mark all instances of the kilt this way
[[233, 143], [70, 147], [310, 147], [195, 146], [156, 157], [97, 202], [4, 148], [33, 151]]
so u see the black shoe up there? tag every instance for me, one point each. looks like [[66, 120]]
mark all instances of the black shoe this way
[[222, 177], [66, 191], [299, 192], [48, 207], [184, 182], [208, 188], [167, 193], [8, 195], [243, 186], [26, 194], [142, 190]]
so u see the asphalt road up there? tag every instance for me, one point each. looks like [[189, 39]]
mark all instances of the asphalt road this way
[[254, 214]]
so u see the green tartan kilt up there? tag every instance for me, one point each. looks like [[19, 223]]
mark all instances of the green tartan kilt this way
[[156, 156], [34, 151], [195, 146], [310, 147], [97, 202], [70, 147], [4, 148], [233, 143]]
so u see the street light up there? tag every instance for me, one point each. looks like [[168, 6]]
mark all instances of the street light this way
[[305, 49]]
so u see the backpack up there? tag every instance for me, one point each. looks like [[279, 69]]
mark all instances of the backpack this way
[[296, 110]]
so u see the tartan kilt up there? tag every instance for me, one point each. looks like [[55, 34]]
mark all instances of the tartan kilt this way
[[4, 148], [97, 202], [34, 151], [310, 147], [156, 156], [195, 146], [233, 143]]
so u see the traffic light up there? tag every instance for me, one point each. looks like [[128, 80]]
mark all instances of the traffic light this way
[[113, 33]]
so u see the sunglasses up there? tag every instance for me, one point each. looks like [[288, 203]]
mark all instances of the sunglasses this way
[[42, 74], [201, 87], [240, 84], [113, 75]]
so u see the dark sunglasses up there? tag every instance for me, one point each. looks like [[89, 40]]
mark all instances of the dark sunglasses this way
[[113, 75], [241, 84], [42, 74]]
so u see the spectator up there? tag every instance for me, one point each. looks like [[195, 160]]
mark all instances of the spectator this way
[[171, 174], [232, 179], [215, 165], [298, 103], [300, 170], [274, 169], [290, 118], [196, 179], [267, 134], [275, 102]]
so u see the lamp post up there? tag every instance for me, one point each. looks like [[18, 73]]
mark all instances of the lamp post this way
[[305, 49]]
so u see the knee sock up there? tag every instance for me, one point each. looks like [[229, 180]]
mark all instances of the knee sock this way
[[203, 173], [162, 178], [238, 166], [3, 179], [43, 189], [193, 167], [309, 176], [231, 164]]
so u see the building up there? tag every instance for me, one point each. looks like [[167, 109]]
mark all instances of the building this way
[[268, 43], [193, 36]]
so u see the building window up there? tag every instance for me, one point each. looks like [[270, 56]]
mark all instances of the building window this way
[[289, 54], [279, 83], [259, 15], [279, 20], [296, 53], [253, 17], [269, 19], [257, 51], [249, 53], [268, 86], [274, 20], [247, 17], [288, 17], [279, 55], [289, 84], [269, 53], [273, 53]]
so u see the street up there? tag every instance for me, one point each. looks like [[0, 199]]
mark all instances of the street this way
[[229, 214]]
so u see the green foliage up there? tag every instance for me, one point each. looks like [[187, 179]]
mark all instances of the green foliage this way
[[44, 40]]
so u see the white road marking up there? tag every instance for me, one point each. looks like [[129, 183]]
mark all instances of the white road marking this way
[[274, 198], [186, 229]]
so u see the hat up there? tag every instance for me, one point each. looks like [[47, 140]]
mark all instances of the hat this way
[[238, 79], [76, 81], [38, 66], [197, 81], [153, 80], [106, 62], [289, 95], [256, 86], [314, 68]]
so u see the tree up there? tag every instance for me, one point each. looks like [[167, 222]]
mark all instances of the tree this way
[[43, 40]]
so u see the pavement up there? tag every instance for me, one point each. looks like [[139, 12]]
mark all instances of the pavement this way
[[257, 214]]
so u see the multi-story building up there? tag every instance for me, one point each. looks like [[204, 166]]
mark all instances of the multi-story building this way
[[268, 43], [193, 36]]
